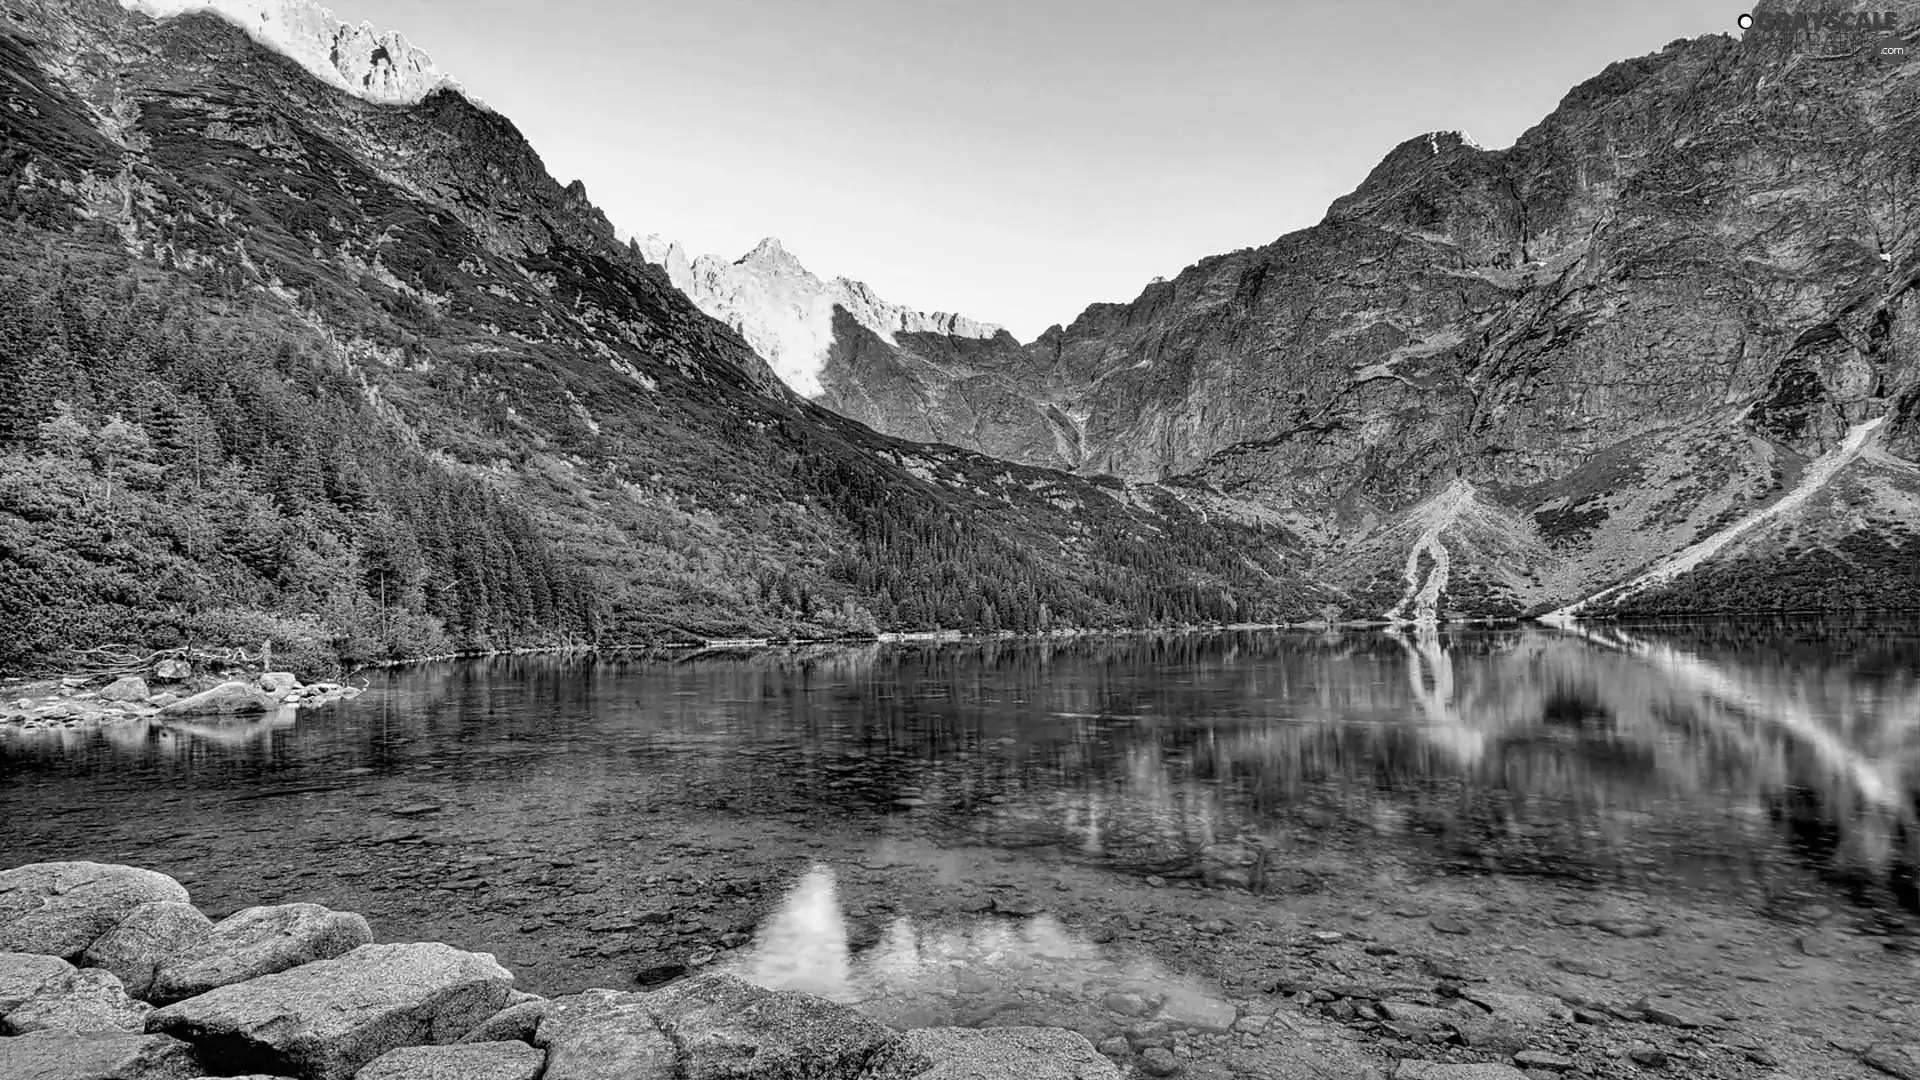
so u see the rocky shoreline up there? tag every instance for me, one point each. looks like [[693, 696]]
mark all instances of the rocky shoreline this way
[[108, 972], [170, 691]]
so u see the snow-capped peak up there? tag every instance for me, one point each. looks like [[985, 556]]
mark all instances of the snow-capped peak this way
[[785, 312], [381, 68]]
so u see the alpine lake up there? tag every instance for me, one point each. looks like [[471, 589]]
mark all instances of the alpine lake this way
[[1685, 849]]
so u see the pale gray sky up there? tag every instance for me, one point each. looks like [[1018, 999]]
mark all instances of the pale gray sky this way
[[1012, 160]]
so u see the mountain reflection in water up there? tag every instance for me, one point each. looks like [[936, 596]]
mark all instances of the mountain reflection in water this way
[[1725, 752]]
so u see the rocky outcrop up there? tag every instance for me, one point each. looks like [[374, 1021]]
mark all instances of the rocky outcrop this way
[[259, 941], [44, 993], [467, 1061], [97, 1055], [150, 935], [723, 1027], [602, 1033], [326, 1019], [379, 67], [126, 688], [432, 1012], [227, 699], [59, 909]]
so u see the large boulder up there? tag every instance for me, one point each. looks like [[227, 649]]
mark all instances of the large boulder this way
[[279, 682], [24, 975], [725, 1027], [328, 1019], [148, 937], [227, 699], [45, 993], [174, 670], [467, 1061], [46, 1055], [58, 909], [518, 1022], [126, 688], [259, 941], [1011, 1053], [605, 1035]]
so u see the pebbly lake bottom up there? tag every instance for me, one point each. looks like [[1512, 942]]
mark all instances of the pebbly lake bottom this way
[[1260, 852]]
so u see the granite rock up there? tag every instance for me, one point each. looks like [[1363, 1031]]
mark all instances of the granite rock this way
[[327, 1019], [59, 909], [259, 941]]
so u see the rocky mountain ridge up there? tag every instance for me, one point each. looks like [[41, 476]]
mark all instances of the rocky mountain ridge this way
[[787, 313], [1560, 362], [375, 66]]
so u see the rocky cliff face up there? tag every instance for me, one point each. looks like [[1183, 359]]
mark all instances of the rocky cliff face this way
[[1636, 327], [379, 67]]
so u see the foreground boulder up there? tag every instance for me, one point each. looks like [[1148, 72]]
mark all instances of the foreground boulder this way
[[604, 1035], [150, 935], [518, 1022], [259, 941], [47, 1055], [705, 1028], [59, 909], [45, 993], [724, 1026], [468, 1061], [227, 699], [1013, 1053], [326, 1020], [24, 975]]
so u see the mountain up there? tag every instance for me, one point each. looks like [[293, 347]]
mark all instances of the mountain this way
[[926, 377], [1646, 339], [305, 347], [368, 64]]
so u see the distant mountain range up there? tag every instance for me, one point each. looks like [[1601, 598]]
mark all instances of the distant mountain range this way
[[306, 345]]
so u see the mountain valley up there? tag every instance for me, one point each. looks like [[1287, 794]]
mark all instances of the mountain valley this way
[[312, 350]]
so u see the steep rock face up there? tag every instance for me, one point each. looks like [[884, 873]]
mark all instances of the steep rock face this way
[[1697, 271], [366, 63]]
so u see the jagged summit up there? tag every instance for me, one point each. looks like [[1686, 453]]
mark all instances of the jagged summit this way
[[381, 68], [769, 249], [786, 312]]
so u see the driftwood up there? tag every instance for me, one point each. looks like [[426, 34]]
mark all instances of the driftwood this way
[[117, 660]]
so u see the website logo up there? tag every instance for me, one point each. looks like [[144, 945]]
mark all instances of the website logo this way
[[1878, 32]]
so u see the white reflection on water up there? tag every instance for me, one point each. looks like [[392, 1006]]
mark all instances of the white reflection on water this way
[[967, 972], [804, 945]]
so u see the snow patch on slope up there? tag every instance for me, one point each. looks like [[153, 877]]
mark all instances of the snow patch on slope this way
[[1689, 558], [381, 68], [785, 312]]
